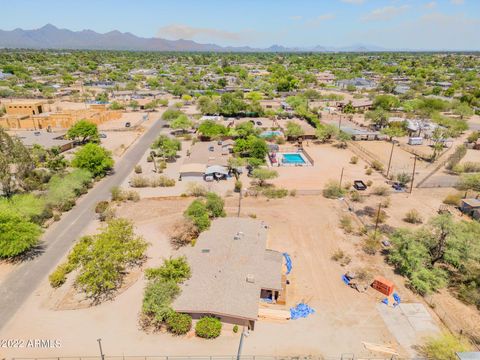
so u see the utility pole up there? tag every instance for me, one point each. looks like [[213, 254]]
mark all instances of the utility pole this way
[[390, 160], [240, 345], [413, 173], [378, 218], [339, 122], [102, 357], [152, 155], [341, 177]]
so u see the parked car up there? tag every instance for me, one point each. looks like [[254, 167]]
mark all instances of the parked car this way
[[128, 124], [211, 148], [259, 123], [103, 135]]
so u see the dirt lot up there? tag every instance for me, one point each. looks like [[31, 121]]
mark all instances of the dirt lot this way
[[305, 227]]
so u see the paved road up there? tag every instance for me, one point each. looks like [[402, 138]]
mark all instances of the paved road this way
[[21, 283]]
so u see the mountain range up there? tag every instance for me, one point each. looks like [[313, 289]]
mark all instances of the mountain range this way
[[51, 37]]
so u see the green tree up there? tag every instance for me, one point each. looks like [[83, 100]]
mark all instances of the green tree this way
[[294, 130], [263, 174], [94, 158], [211, 129], [84, 131], [386, 102], [215, 205], [167, 147], [134, 105], [181, 123], [17, 234], [326, 132], [198, 213], [378, 117]]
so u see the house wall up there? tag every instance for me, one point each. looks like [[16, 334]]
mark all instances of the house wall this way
[[24, 108], [226, 319]]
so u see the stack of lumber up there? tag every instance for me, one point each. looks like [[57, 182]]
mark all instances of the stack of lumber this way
[[273, 314]]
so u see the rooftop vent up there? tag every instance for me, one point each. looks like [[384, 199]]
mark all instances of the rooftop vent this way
[[238, 235], [251, 279], [205, 251]]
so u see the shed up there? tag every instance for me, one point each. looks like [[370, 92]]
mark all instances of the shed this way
[[470, 206]]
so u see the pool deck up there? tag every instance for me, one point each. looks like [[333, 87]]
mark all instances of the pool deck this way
[[280, 158]]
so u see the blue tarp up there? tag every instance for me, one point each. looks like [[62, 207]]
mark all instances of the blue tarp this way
[[385, 301], [288, 262], [396, 297], [346, 280], [300, 311]]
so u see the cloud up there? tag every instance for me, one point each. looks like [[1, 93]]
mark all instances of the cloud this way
[[457, 2], [385, 13], [296, 17], [181, 31], [356, 2], [431, 5]]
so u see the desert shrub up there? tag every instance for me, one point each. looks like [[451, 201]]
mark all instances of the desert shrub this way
[[338, 255], [195, 189], [198, 213], [456, 157], [208, 327], [149, 158], [63, 190], [369, 183], [116, 193], [157, 298], [453, 199], [101, 206], [29, 206], [467, 167], [444, 347], [385, 203], [138, 181], [17, 233], [469, 293], [138, 169], [132, 195], [173, 269], [404, 178], [346, 223], [355, 196], [238, 186], [354, 160], [347, 185], [58, 277], [162, 181], [235, 328], [214, 205], [413, 217], [371, 243], [332, 190], [102, 259], [293, 192], [108, 214], [369, 171], [178, 323], [380, 190], [273, 193], [377, 165], [183, 233]]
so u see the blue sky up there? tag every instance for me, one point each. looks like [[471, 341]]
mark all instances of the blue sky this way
[[392, 24]]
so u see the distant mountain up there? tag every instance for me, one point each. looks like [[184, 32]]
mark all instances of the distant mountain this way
[[51, 37]]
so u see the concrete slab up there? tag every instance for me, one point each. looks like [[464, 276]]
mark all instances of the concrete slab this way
[[409, 323]]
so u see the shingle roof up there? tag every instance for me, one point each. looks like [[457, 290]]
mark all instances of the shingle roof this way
[[230, 266]]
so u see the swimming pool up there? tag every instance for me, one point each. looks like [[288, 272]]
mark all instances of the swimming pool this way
[[293, 158], [270, 133]]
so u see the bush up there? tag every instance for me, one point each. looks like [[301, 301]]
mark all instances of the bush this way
[[116, 193], [17, 234], [183, 233], [208, 327], [380, 190], [354, 160], [195, 189], [385, 203], [369, 171], [162, 181], [138, 169], [332, 190], [238, 186], [173, 269], [157, 299], [198, 213], [371, 243], [215, 205], [59, 276], [444, 347], [355, 196], [94, 158], [62, 191], [338, 255], [404, 178], [273, 193], [235, 328], [101, 207], [346, 223], [139, 181], [178, 323], [413, 217], [377, 165]]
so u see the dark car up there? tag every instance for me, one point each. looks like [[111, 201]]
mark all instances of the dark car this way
[[128, 124]]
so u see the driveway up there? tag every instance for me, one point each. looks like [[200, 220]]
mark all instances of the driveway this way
[[17, 287]]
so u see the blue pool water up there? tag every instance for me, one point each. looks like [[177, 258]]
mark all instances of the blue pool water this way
[[293, 159], [269, 133]]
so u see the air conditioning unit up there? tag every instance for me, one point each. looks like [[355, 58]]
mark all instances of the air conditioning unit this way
[[251, 279]]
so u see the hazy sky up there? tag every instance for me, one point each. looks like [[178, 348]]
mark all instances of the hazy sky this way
[[392, 24]]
